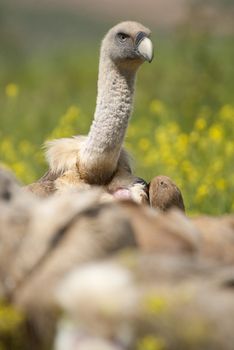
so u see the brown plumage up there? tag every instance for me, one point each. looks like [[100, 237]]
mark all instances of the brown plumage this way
[[164, 194]]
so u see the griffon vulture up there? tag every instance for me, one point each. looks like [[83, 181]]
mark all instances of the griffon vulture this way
[[99, 158]]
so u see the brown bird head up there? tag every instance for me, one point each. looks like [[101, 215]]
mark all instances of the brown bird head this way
[[164, 194]]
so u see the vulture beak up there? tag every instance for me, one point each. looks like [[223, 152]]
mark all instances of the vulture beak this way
[[144, 47]]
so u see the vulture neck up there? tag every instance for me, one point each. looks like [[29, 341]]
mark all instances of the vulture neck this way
[[100, 153]]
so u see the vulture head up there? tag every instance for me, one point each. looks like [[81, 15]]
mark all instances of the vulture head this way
[[128, 44]]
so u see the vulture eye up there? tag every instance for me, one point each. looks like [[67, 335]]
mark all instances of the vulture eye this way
[[122, 37]]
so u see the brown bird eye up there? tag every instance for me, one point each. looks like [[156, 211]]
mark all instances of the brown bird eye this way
[[122, 37]]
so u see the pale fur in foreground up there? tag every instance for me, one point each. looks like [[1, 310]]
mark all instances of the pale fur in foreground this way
[[113, 286]]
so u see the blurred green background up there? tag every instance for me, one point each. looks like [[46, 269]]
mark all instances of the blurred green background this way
[[182, 125]]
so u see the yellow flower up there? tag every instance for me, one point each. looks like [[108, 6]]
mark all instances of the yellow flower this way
[[216, 132], [10, 318], [229, 148], [165, 153], [12, 90], [8, 150], [227, 113], [172, 128], [200, 124], [221, 184], [155, 304], [160, 136], [19, 168], [201, 192], [151, 342], [181, 143]]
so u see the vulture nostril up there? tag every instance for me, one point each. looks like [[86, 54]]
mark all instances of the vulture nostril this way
[[139, 37]]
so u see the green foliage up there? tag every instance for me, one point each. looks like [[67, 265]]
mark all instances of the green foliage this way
[[182, 125]]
